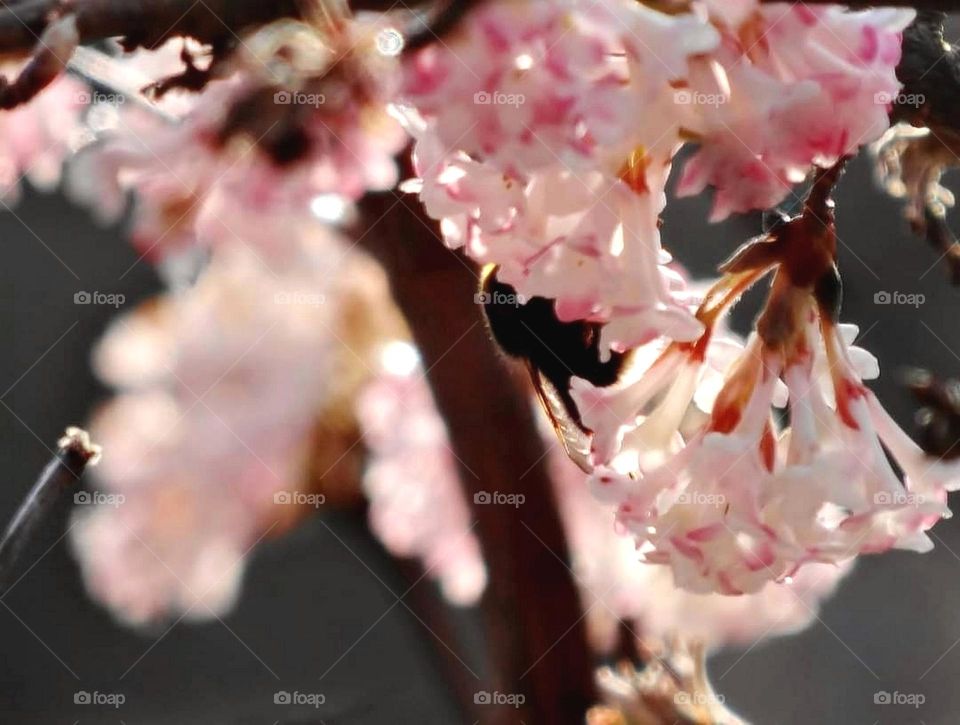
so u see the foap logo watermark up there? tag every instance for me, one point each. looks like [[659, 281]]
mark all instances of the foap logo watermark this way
[[913, 699], [899, 498], [89, 98], [499, 298], [913, 299], [310, 699], [312, 299], [484, 98], [114, 299], [299, 498], [513, 699], [686, 97], [98, 498], [105, 699], [699, 699], [912, 100], [698, 498], [495, 498], [299, 98]]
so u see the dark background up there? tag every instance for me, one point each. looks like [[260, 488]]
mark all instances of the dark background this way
[[310, 600]]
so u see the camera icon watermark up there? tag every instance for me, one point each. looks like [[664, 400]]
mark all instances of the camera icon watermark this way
[[496, 98], [310, 699], [499, 298], [699, 498], [98, 498], [911, 100], [899, 298], [104, 699], [495, 498], [899, 498], [91, 97], [699, 699], [913, 699], [513, 699], [687, 97], [299, 498], [114, 299], [299, 98]]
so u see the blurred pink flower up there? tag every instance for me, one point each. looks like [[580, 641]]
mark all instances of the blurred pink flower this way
[[249, 153], [417, 508], [209, 439], [36, 137]]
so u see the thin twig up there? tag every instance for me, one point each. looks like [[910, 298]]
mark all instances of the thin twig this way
[[74, 453]]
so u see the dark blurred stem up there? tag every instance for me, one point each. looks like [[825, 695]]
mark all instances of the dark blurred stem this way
[[150, 22], [435, 613], [945, 5], [58, 477], [535, 630]]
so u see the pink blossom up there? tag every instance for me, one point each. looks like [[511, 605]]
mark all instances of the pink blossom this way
[[586, 240], [205, 175], [417, 508], [617, 586], [36, 137], [545, 134], [732, 504], [791, 86], [529, 85], [220, 388], [544, 137]]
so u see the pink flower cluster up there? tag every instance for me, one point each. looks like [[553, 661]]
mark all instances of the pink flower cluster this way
[[545, 135], [546, 130], [247, 156], [732, 501], [209, 437], [616, 586], [417, 508], [788, 85], [36, 138], [530, 153]]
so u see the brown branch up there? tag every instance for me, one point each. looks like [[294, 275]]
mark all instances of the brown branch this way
[[74, 453], [944, 5], [429, 606], [25, 26], [532, 610], [150, 22], [143, 22]]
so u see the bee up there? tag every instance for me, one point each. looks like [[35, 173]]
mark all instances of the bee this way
[[938, 420], [553, 352]]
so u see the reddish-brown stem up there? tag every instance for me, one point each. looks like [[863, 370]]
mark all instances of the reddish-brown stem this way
[[429, 607], [150, 21], [536, 633]]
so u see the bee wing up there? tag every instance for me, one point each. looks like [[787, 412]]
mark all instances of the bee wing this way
[[575, 440]]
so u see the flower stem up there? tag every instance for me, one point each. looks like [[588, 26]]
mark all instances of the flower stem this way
[[74, 453]]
